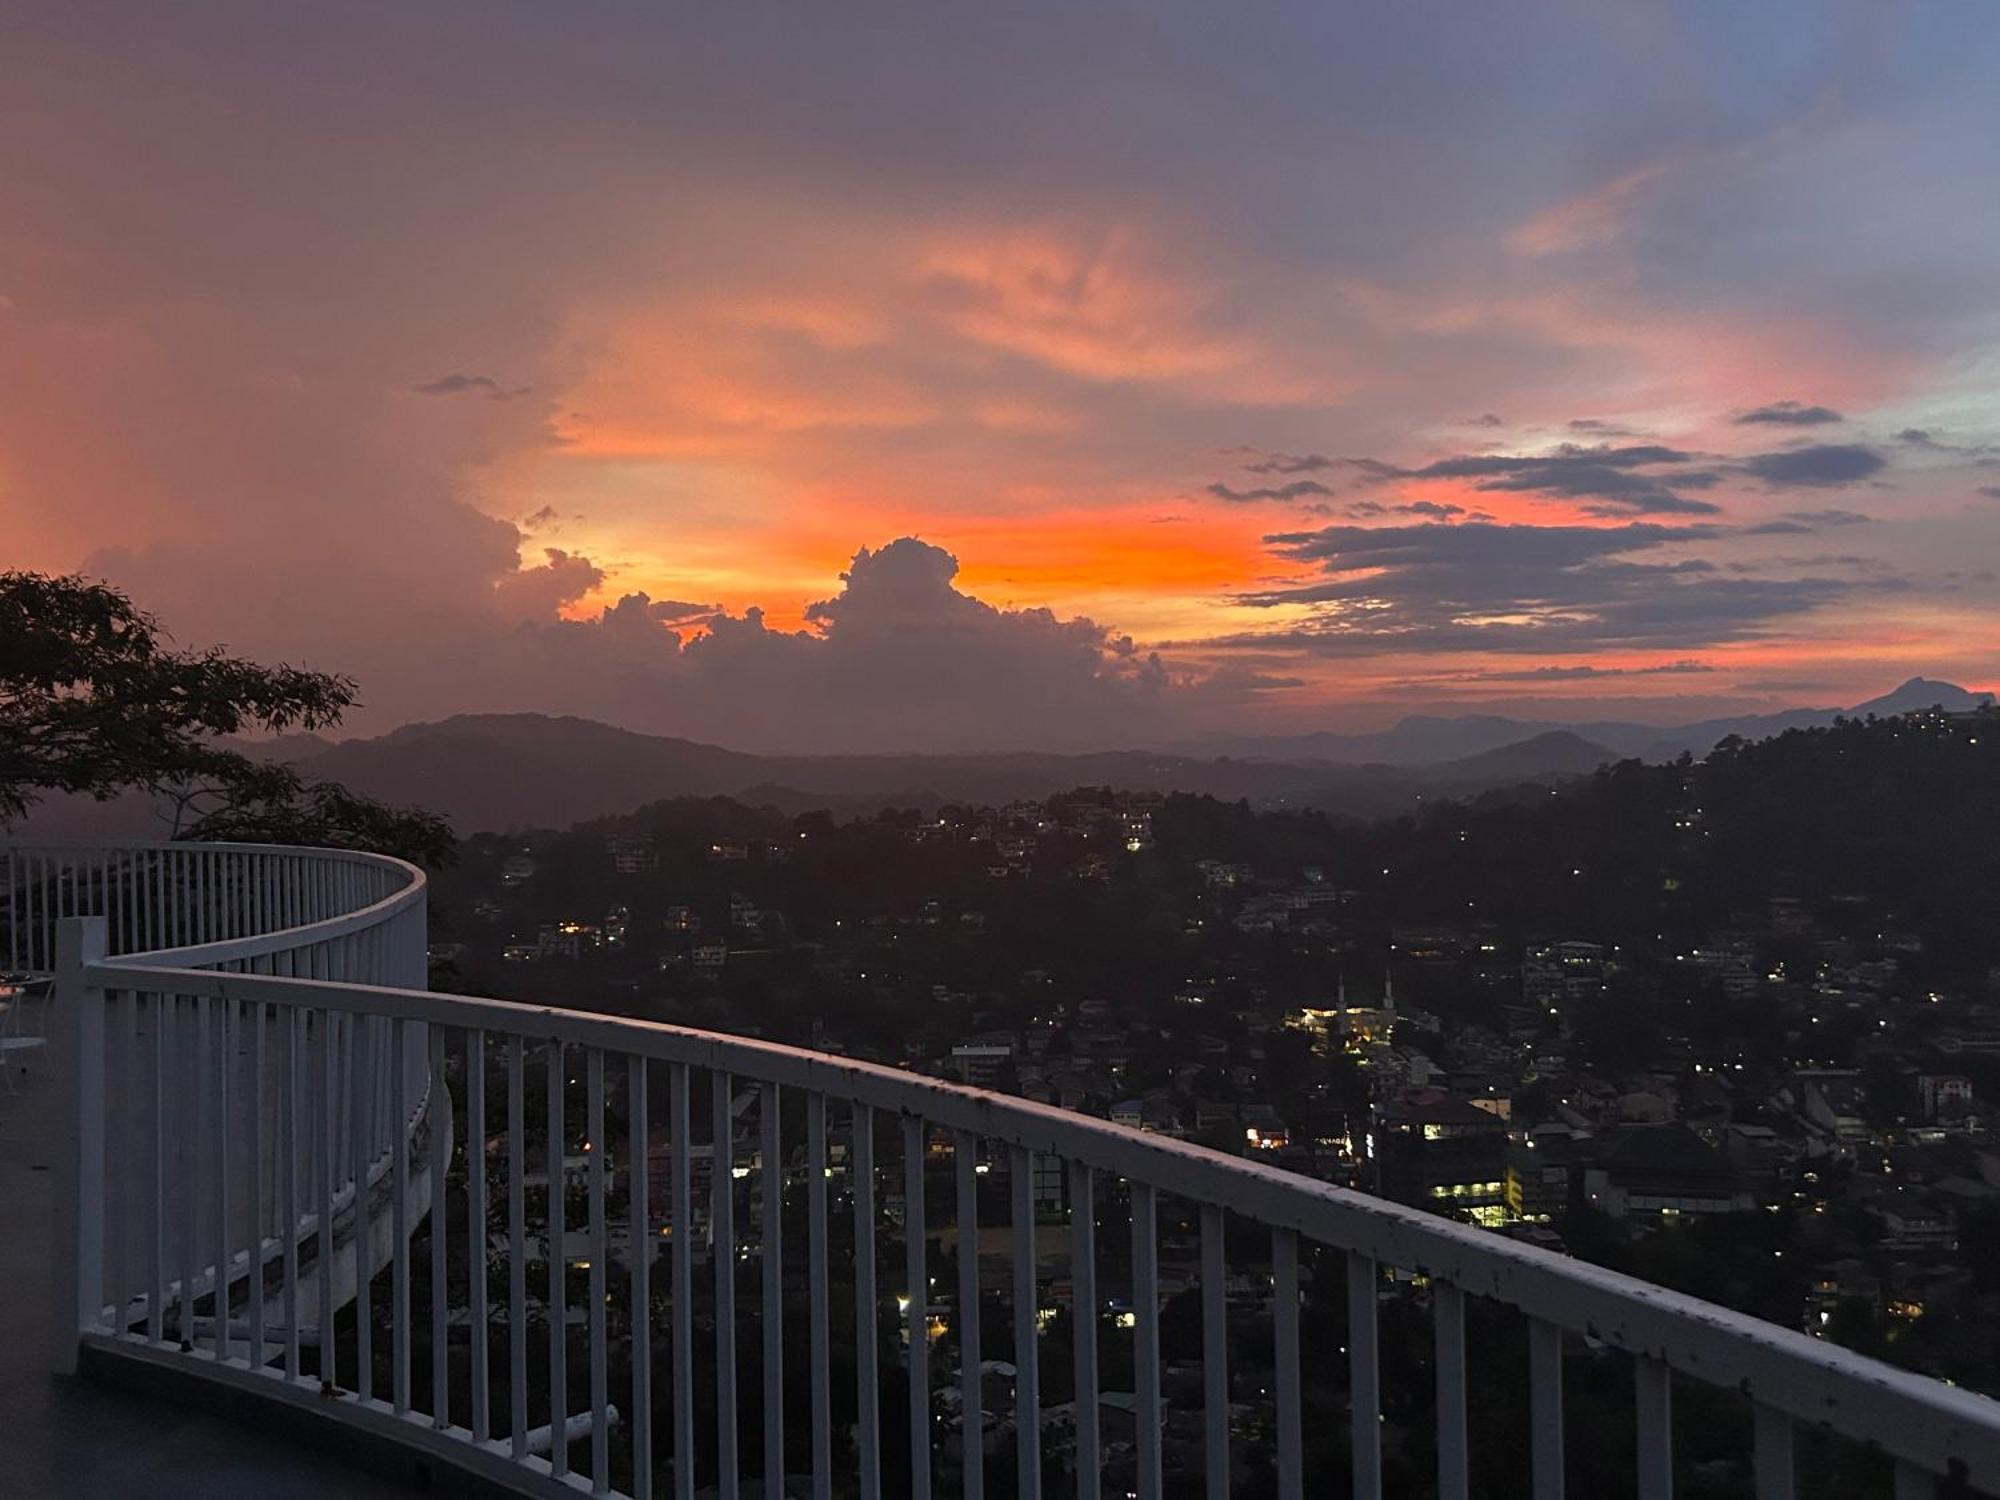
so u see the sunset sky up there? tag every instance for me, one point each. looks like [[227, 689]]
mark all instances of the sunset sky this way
[[856, 376]]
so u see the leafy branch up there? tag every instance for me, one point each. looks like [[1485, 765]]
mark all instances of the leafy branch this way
[[95, 701]]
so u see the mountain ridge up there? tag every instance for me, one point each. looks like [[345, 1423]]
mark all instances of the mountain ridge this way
[[495, 772], [1419, 739]]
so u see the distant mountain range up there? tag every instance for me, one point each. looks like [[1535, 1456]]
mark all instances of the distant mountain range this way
[[1425, 739], [496, 771], [493, 772]]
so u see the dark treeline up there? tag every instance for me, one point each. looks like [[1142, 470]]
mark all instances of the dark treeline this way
[[1867, 826]]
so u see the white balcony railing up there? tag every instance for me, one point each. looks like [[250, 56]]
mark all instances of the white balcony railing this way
[[332, 914], [317, 913], [515, 1311]]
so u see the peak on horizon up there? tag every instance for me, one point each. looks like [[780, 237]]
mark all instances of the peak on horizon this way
[[1925, 692]]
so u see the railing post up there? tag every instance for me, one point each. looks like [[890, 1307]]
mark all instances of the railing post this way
[[79, 1200], [1545, 1408]]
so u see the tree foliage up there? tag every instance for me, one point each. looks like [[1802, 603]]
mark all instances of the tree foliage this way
[[95, 701]]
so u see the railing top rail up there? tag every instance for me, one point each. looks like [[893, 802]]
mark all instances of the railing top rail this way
[[254, 945], [1910, 1416], [151, 846]]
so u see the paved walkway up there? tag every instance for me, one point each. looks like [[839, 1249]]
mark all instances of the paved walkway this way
[[77, 1438]]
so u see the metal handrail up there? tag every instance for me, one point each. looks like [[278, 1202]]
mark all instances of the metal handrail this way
[[49, 862], [1915, 1418], [1933, 1431], [222, 954], [184, 906]]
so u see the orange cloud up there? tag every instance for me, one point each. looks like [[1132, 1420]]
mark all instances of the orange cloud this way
[[653, 399], [1094, 309]]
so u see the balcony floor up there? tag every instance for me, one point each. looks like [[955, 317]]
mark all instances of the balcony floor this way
[[83, 1438]]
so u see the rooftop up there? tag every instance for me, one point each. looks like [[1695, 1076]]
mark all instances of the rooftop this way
[[1428, 1106]]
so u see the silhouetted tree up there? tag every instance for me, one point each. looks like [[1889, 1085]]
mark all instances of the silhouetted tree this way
[[93, 701]]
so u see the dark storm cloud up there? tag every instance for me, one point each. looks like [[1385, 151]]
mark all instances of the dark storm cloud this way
[[672, 613], [1298, 489], [1235, 679], [1789, 414], [1375, 471], [1981, 455], [1369, 510], [1291, 463], [537, 592], [1613, 481], [1256, 460], [1799, 522], [1613, 477], [469, 385], [1875, 565], [1578, 673], [1502, 550], [1604, 474], [1820, 466], [456, 385], [1481, 586]]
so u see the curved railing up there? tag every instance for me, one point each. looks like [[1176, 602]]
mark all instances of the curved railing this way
[[335, 914], [324, 913], [528, 1303]]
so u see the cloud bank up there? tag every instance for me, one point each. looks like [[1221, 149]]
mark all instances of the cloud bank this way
[[1486, 587], [899, 658]]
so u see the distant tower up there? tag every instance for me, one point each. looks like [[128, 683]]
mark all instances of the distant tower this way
[[1389, 991]]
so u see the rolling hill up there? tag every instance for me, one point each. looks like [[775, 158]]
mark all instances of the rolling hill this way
[[493, 772]]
